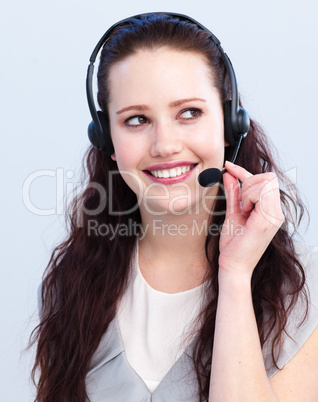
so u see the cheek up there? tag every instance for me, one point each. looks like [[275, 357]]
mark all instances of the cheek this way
[[124, 156], [211, 145], [125, 152], [128, 158], [128, 148]]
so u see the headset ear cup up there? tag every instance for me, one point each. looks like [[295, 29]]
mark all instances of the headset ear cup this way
[[228, 129], [101, 139], [92, 135], [243, 121], [241, 124], [106, 144]]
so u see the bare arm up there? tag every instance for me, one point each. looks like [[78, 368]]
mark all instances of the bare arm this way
[[238, 373]]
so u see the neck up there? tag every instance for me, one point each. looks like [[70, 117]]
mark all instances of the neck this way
[[172, 251]]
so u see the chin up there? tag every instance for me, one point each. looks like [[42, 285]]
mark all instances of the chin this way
[[171, 208]]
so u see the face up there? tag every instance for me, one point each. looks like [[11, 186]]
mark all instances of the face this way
[[166, 122]]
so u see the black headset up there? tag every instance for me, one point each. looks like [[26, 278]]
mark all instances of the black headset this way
[[236, 120]]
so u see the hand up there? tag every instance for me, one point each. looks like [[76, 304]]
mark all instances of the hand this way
[[253, 216]]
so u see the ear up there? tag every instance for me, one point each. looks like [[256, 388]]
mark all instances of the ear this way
[[113, 156], [226, 144]]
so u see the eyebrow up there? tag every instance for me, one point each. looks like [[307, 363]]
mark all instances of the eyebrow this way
[[181, 101], [142, 108]]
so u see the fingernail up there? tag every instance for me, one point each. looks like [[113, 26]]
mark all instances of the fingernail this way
[[229, 163]]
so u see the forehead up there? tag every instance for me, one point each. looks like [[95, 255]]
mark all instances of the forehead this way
[[160, 72]]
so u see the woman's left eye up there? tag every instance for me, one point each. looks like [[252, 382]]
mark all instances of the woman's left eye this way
[[190, 114]]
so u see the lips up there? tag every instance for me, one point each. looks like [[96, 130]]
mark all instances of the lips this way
[[172, 170]]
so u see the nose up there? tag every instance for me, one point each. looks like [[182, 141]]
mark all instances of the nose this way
[[166, 141]]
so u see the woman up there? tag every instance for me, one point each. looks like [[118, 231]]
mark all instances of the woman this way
[[165, 290]]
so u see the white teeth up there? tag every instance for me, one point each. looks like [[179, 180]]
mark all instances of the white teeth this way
[[174, 172]]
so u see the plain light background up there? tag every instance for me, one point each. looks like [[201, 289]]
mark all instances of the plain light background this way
[[45, 48]]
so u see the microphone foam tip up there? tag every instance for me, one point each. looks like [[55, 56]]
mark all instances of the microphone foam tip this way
[[209, 177]]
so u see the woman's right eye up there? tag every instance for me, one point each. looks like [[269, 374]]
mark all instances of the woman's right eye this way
[[136, 120]]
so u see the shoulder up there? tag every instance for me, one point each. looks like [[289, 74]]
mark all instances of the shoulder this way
[[298, 379], [299, 325]]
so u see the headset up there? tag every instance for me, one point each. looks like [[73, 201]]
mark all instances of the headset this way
[[236, 120]]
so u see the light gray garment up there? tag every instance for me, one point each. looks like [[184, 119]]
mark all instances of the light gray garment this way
[[298, 332], [112, 379]]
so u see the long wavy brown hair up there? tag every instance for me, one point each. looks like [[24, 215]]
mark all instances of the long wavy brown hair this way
[[88, 273]]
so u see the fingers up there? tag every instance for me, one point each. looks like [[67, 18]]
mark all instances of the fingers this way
[[252, 194], [237, 171], [232, 193], [259, 192]]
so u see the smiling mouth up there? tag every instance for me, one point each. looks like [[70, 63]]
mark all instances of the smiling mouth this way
[[174, 172]]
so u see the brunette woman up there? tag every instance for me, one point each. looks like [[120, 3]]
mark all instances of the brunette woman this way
[[166, 290]]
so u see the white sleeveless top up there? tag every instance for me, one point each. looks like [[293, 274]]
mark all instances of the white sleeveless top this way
[[155, 326]]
